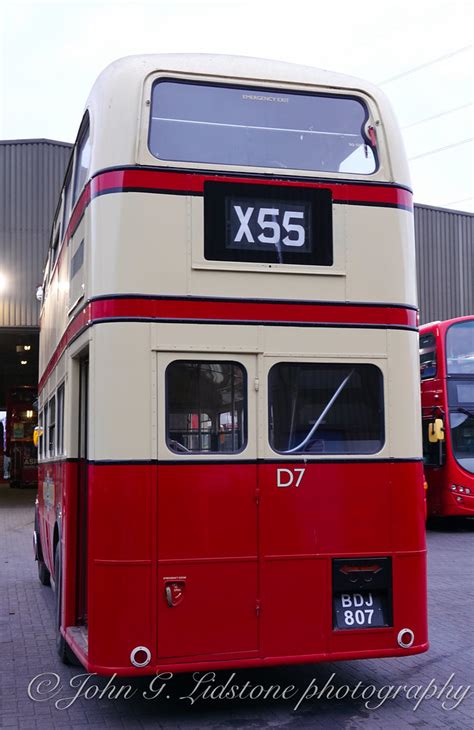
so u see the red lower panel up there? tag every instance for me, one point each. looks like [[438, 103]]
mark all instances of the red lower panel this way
[[246, 555], [217, 613], [295, 607], [121, 561], [207, 538], [121, 612]]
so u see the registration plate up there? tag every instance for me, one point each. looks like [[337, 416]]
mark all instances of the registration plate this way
[[359, 610]]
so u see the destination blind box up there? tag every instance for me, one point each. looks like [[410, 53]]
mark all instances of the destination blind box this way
[[268, 224]]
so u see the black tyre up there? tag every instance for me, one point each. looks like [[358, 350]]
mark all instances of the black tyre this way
[[43, 573], [65, 652]]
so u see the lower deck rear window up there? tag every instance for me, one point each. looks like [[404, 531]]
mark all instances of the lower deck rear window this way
[[206, 407], [317, 408]]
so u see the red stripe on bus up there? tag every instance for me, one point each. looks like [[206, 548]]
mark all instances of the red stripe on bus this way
[[194, 310], [229, 311], [164, 180]]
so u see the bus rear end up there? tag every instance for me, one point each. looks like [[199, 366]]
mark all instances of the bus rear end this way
[[244, 482]]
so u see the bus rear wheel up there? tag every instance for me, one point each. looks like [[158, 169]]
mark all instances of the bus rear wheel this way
[[43, 573]]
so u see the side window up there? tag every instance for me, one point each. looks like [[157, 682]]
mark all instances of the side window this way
[[206, 407], [54, 250], [47, 269], [77, 260], [82, 162], [40, 434], [66, 200], [51, 425], [317, 408], [427, 356], [44, 448], [60, 420]]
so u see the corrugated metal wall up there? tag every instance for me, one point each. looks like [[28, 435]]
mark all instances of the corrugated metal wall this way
[[31, 175], [445, 263]]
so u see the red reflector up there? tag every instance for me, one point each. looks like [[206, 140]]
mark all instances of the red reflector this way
[[141, 656], [347, 569]]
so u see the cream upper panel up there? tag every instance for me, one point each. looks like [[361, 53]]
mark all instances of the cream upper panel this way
[[153, 244], [127, 353], [380, 250], [122, 92]]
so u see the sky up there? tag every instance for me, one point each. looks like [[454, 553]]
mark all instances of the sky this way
[[419, 52]]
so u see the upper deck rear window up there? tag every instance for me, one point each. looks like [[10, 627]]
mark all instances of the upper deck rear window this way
[[236, 125]]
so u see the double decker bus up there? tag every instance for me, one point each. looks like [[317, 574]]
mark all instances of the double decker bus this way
[[447, 398], [231, 462], [21, 419]]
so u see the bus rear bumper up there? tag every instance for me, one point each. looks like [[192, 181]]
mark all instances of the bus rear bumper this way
[[173, 667]]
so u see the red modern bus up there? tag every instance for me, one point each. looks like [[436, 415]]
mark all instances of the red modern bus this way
[[231, 463], [22, 414], [447, 398]]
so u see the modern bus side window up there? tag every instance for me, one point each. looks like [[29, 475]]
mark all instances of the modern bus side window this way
[[60, 420], [427, 356], [51, 425], [433, 453], [206, 407], [326, 408], [82, 162]]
